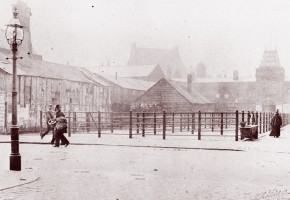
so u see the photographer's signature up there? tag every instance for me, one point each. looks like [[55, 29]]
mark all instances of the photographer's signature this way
[[273, 194]]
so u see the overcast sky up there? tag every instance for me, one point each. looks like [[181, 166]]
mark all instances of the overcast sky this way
[[223, 34]]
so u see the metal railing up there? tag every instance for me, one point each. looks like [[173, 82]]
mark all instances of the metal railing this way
[[148, 123]]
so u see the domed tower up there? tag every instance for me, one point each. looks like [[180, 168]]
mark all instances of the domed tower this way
[[270, 68], [270, 78]]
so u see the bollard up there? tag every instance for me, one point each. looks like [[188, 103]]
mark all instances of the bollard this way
[[143, 123], [193, 123], [199, 125], [172, 122], [69, 124], [154, 125], [164, 125], [130, 124], [237, 126], [222, 123], [99, 124]]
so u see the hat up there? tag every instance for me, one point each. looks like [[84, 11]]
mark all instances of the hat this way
[[57, 106]]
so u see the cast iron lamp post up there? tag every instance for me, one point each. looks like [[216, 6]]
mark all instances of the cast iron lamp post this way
[[14, 35]]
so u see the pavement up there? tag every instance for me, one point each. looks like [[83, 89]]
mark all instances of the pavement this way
[[38, 148]]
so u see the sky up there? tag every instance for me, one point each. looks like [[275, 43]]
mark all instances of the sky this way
[[225, 35]]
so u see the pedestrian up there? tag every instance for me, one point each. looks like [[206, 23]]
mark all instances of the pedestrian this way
[[276, 124], [60, 127], [49, 116]]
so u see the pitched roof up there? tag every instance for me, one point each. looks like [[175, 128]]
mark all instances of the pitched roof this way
[[194, 97], [125, 71], [40, 68], [270, 59], [164, 58]]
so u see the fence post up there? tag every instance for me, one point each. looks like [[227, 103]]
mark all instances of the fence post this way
[[130, 124], [137, 122], [99, 124], [212, 126], [40, 122], [248, 118], [243, 116], [237, 126], [269, 120], [173, 122], [74, 122], [87, 122], [164, 125], [199, 125], [69, 124], [222, 123], [263, 122], [257, 118], [205, 120], [260, 122], [143, 123], [226, 120], [154, 125], [112, 122], [180, 121], [266, 116], [188, 122], [193, 123]]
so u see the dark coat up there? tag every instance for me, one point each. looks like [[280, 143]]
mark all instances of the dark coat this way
[[61, 123], [276, 124]]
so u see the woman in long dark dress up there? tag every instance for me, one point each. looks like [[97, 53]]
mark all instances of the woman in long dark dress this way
[[276, 124]]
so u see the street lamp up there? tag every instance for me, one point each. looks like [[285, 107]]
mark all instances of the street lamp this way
[[14, 35]]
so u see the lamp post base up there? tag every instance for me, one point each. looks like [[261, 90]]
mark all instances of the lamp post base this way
[[15, 162], [15, 157]]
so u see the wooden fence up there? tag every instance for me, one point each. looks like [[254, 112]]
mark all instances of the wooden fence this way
[[145, 123]]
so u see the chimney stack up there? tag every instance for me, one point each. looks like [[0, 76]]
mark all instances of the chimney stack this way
[[189, 83], [235, 75]]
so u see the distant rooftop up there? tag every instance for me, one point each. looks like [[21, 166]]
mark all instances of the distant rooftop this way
[[125, 71]]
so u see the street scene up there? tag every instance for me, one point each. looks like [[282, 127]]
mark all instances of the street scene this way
[[144, 100]]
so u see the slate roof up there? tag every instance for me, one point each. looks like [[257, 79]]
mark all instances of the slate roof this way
[[125, 71], [40, 68], [128, 83]]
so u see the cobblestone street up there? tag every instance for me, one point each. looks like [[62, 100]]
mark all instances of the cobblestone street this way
[[107, 172]]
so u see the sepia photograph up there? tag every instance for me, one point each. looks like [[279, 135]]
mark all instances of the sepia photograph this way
[[145, 100]]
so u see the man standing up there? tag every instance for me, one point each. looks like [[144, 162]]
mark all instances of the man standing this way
[[276, 124], [49, 115], [60, 127]]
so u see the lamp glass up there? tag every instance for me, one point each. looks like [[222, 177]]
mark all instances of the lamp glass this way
[[14, 30]]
